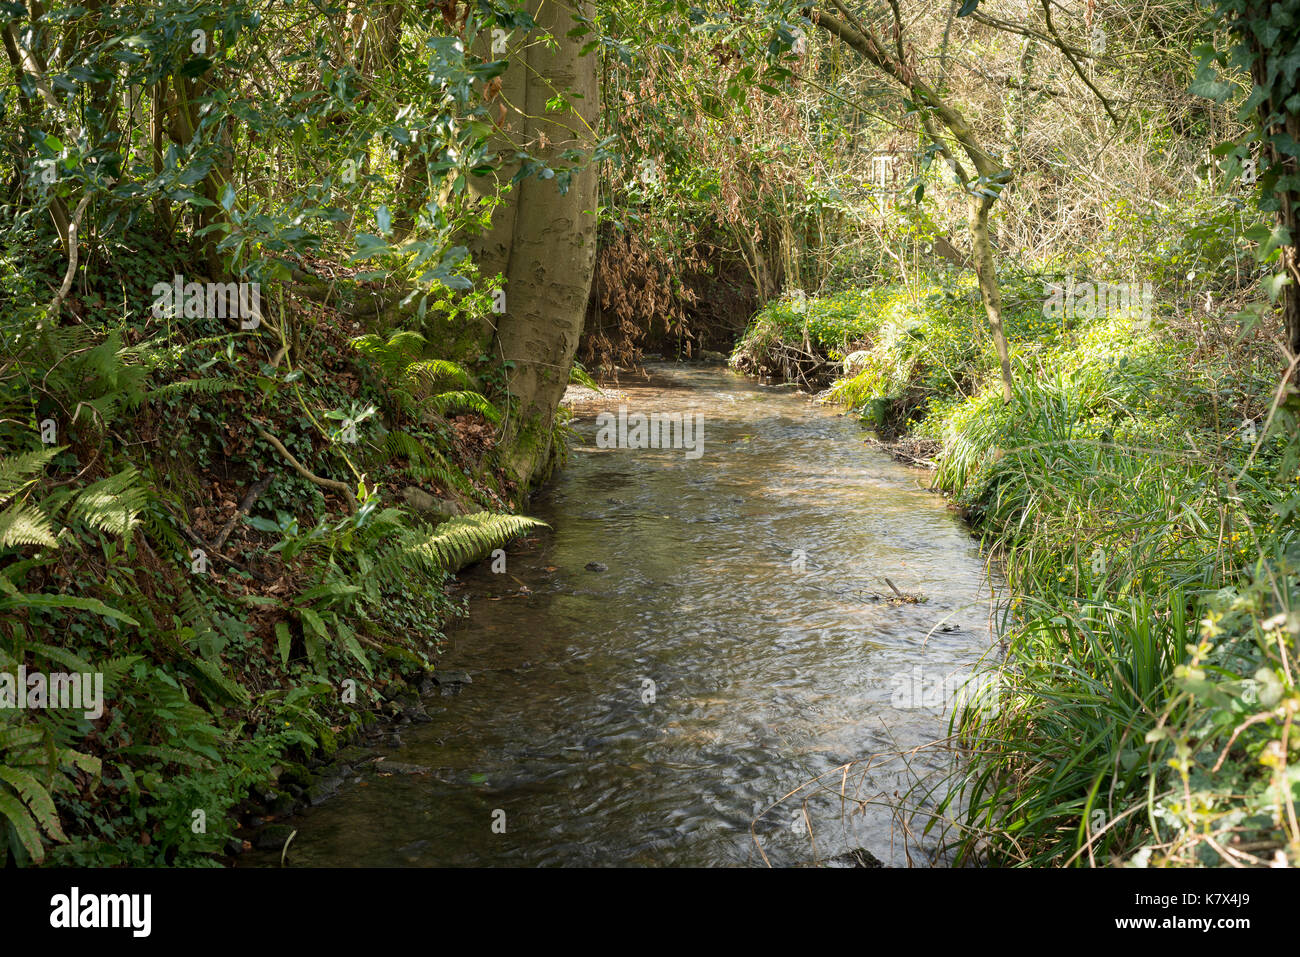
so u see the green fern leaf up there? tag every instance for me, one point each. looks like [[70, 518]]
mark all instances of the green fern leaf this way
[[23, 524], [37, 799], [67, 601], [452, 544], [17, 471], [464, 399], [112, 504], [23, 825]]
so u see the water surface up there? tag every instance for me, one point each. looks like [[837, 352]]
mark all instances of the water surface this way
[[734, 648]]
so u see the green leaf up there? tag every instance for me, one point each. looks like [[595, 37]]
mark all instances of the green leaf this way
[[38, 800], [1208, 84], [23, 826], [313, 630], [68, 601], [1280, 236], [313, 621], [1285, 143], [283, 639], [212, 672], [262, 524], [64, 657]]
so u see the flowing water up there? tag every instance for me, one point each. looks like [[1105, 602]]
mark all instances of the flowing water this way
[[738, 645]]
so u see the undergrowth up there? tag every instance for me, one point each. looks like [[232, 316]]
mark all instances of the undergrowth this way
[[211, 523], [1140, 493]]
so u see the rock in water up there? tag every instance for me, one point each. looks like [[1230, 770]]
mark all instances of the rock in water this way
[[272, 837], [859, 857]]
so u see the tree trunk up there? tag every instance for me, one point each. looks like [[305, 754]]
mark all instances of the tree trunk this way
[[986, 276], [552, 252]]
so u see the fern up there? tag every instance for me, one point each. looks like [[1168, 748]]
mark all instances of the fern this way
[[78, 602], [205, 386], [579, 375], [31, 769], [464, 399], [112, 504], [414, 377], [158, 526], [20, 471], [422, 374], [451, 545], [23, 524], [425, 464], [103, 379]]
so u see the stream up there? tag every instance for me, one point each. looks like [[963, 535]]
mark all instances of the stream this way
[[693, 640]]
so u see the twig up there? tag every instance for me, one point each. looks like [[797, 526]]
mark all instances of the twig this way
[[341, 487], [211, 552], [253, 495], [1061, 45]]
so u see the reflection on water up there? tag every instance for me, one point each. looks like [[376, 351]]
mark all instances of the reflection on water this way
[[736, 646]]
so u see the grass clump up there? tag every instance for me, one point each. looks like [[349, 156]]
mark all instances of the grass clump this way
[[1145, 518]]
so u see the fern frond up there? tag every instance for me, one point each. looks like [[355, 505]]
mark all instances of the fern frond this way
[[405, 445], [579, 375], [205, 386], [451, 544], [425, 464], [37, 799], [157, 525], [112, 504], [18, 471], [23, 524], [446, 475], [423, 373], [24, 827], [406, 342], [78, 602], [464, 399], [392, 355]]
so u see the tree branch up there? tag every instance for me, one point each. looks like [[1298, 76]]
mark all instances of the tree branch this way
[[1060, 44], [335, 486]]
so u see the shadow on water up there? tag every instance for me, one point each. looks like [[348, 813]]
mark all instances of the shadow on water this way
[[735, 646]]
